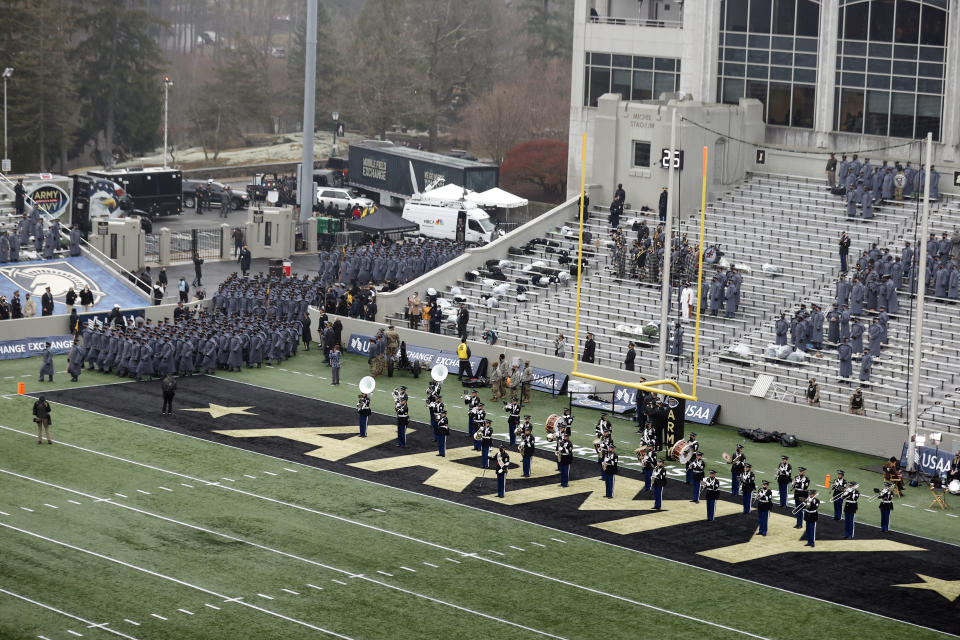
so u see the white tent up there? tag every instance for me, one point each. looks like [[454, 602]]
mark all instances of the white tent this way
[[497, 197], [446, 193]]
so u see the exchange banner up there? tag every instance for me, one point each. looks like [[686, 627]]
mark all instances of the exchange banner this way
[[28, 347]]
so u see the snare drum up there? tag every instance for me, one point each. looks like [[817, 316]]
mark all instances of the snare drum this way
[[682, 451], [954, 487]]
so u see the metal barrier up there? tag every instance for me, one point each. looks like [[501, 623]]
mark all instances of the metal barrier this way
[[204, 242], [151, 247]]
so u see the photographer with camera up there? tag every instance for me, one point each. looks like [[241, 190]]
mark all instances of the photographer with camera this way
[[41, 415]]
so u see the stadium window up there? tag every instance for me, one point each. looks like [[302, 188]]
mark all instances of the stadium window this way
[[784, 12], [850, 113], [664, 83], [808, 18], [907, 25], [854, 25], [933, 26], [760, 11], [642, 85], [901, 115], [621, 83], [599, 83], [878, 113], [928, 117], [732, 90], [881, 20], [736, 15], [778, 111], [803, 106], [758, 90], [641, 154]]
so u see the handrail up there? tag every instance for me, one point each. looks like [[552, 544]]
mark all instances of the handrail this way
[[636, 22]]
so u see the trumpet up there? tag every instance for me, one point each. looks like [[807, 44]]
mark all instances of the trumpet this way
[[396, 394]]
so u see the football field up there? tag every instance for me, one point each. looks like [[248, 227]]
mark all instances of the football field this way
[[257, 512]]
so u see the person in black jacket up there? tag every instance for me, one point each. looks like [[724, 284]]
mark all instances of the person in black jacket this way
[[169, 386], [244, 260], [305, 333], [46, 303], [198, 272], [41, 415], [71, 299], [589, 349], [631, 357], [86, 298]]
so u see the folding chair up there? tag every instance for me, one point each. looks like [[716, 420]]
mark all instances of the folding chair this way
[[939, 498], [895, 479]]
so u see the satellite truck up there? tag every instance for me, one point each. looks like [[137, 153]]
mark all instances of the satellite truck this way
[[459, 220], [382, 170]]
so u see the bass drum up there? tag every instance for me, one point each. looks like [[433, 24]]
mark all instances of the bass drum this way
[[551, 424], [682, 451], [954, 487]]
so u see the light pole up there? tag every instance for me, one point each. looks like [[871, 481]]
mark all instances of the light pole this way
[[336, 117], [167, 83], [6, 157]]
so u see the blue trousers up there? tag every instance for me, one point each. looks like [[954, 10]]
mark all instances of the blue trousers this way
[[484, 455], [526, 466], [885, 519], [647, 473], [363, 426], [401, 434], [608, 480], [838, 509], [711, 508], [746, 501], [800, 518], [763, 517], [442, 445], [696, 492], [848, 524], [843, 262], [433, 425], [689, 474], [782, 488], [501, 484], [657, 497], [513, 436], [564, 475], [735, 478], [812, 533]]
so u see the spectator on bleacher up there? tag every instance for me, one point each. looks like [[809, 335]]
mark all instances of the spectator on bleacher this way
[[730, 298], [816, 327], [4, 247], [463, 317], [845, 356], [49, 244], [620, 195], [844, 244], [585, 204], [780, 329], [813, 393], [560, 346], [676, 340], [882, 319], [856, 334], [866, 204], [844, 322], [866, 366], [856, 296], [831, 171], [856, 403], [589, 349], [886, 184], [616, 210], [715, 295], [851, 202], [663, 205], [875, 333], [843, 290], [628, 362], [29, 307]]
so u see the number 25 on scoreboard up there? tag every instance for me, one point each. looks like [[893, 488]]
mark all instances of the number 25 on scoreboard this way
[[677, 159]]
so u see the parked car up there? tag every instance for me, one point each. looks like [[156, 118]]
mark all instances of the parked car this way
[[341, 199], [238, 198]]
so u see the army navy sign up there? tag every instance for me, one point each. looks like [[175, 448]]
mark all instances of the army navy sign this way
[[51, 198]]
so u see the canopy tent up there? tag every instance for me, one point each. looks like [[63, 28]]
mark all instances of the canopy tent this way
[[446, 193], [497, 197], [381, 221]]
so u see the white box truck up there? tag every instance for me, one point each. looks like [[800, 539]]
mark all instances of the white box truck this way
[[460, 221]]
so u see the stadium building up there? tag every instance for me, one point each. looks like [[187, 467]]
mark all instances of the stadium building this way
[[828, 75]]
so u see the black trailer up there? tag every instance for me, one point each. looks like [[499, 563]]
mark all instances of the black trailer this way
[[157, 191], [383, 168]]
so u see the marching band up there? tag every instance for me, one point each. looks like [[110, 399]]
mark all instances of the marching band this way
[[845, 494]]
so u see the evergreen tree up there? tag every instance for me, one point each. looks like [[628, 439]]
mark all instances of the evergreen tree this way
[[120, 79]]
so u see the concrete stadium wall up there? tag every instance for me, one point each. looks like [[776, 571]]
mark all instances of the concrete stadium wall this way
[[59, 324], [447, 275], [809, 424]]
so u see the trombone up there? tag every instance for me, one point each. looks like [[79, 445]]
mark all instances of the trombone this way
[[802, 505], [843, 494]]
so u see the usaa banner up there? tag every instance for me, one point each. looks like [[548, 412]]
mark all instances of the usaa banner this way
[[676, 412]]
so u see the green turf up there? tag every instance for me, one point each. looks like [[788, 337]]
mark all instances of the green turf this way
[[819, 460], [257, 541]]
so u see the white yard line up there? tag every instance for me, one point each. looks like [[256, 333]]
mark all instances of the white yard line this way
[[156, 615], [443, 547], [496, 552], [165, 489], [74, 502], [408, 569], [175, 580], [146, 493], [189, 613], [214, 607], [269, 473], [291, 591], [431, 565], [517, 548], [50, 505], [64, 613], [338, 581], [389, 575], [129, 621], [313, 586]]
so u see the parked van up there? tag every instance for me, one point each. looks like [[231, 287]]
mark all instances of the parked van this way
[[443, 220]]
